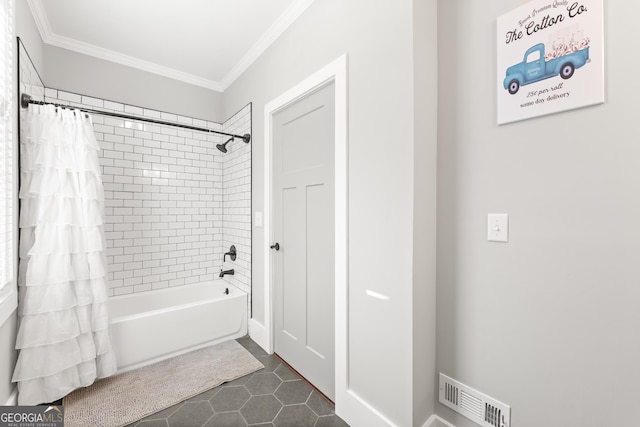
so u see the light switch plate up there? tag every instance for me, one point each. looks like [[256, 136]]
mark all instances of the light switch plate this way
[[258, 219], [498, 228]]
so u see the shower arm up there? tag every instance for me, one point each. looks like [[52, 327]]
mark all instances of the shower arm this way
[[25, 100]]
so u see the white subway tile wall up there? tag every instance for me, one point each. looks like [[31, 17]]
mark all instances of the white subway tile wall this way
[[164, 198], [236, 200]]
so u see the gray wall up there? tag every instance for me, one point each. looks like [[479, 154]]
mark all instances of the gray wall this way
[[28, 32], [378, 38], [547, 323], [425, 52], [74, 72]]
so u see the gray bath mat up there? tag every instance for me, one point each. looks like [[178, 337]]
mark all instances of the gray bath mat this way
[[128, 397]]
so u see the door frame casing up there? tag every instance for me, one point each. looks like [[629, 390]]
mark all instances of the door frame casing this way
[[336, 73]]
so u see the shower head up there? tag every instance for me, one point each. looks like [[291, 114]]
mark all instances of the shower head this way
[[223, 147]]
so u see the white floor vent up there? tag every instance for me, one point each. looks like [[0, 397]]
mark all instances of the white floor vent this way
[[476, 406]]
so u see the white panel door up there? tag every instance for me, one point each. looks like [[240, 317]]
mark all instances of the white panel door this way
[[303, 224]]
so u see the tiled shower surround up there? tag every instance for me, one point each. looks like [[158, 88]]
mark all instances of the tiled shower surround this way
[[173, 203], [236, 197]]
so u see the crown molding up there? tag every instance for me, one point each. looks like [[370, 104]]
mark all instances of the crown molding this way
[[279, 26], [271, 35], [130, 61], [50, 38], [40, 18]]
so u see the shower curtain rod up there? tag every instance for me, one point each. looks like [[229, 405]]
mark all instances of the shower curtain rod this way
[[25, 100]]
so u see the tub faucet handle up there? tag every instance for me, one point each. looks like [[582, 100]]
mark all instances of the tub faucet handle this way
[[232, 254]]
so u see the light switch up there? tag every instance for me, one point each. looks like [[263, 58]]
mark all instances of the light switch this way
[[258, 220], [498, 227]]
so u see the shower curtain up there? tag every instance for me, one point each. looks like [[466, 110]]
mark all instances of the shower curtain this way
[[63, 333]]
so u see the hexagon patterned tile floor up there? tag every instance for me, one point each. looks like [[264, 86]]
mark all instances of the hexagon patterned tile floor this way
[[273, 396]]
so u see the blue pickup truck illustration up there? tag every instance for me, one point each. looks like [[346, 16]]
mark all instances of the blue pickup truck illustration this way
[[535, 67]]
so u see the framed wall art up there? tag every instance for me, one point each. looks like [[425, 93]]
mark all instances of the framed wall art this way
[[550, 58]]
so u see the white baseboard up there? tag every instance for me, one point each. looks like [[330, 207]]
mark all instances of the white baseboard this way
[[357, 411], [436, 421], [13, 398], [258, 333]]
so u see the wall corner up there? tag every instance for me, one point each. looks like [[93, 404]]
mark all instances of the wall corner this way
[[424, 210]]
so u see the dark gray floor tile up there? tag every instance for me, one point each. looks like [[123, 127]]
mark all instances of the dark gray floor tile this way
[[251, 346], [265, 383], [291, 392], [238, 381], [296, 416], [261, 409], [191, 414], [285, 373], [228, 419], [273, 396], [270, 363], [230, 399], [331, 421], [206, 395], [319, 404], [164, 413]]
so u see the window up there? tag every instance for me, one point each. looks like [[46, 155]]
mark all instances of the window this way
[[7, 297], [533, 57]]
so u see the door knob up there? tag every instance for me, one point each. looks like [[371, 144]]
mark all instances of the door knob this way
[[275, 246]]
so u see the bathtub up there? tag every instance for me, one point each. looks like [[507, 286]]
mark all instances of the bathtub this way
[[151, 326]]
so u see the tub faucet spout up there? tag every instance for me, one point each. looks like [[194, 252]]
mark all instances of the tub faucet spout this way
[[226, 272]]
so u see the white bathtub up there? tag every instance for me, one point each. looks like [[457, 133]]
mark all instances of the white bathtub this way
[[151, 326]]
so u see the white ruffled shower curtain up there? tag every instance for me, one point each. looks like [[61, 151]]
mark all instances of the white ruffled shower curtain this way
[[63, 334]]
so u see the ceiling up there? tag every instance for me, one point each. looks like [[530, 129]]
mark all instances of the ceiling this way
[[209, 43]]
